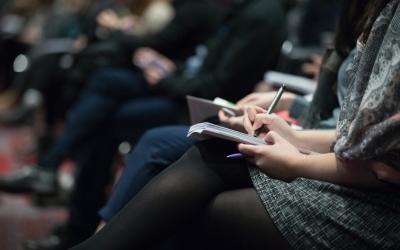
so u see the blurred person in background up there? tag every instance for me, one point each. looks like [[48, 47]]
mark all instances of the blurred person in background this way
[[49, 82], [194, 21], [237, 48], [58, 21], [21, 24]]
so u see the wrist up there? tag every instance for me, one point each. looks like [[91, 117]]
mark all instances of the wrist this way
[[301, 167], [295, 166], [292, 136]]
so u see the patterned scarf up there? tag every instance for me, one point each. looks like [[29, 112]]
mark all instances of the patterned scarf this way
[[369, 123]]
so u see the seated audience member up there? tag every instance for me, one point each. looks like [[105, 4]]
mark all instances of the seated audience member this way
[[237, 49], [188, 25], [160, 147], [57, 90], [264, 200], [233, 52], [55, 77], [147, 17], [61, 25]]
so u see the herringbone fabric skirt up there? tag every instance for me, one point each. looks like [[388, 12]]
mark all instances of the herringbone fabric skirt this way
[[319, 215]]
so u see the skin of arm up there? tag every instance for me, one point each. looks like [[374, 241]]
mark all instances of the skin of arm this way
[[273, 159], [264, 99], [314, 140]]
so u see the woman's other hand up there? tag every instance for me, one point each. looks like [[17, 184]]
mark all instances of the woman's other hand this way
[[281, 160], [232, 122]]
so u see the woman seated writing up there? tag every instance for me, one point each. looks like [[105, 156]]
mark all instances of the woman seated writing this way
[[278, 198]]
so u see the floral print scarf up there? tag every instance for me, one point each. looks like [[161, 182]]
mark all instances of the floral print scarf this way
[[369, 123]]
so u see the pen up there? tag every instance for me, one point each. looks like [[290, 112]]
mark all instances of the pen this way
[[236, 156], [272, 106]]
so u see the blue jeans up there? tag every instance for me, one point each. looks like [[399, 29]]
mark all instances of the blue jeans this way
[[115, 101], [156, 150]]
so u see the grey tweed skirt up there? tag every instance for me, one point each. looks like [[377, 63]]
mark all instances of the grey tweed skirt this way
[[319, 215]]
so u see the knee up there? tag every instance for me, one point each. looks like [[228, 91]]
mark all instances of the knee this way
[[101, 80], [113, 78], [165, 134], [164, 145], [153, 135]]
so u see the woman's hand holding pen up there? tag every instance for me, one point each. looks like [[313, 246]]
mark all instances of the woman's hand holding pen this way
[[281, 161], [272, 159], [256, 117], [250, 114]]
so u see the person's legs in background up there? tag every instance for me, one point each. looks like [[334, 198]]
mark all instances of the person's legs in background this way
[[106, 91], [95, 160], [156, 150], [92, 175], [137, 116]]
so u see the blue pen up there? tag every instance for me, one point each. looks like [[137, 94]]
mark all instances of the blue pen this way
[[236, 156]]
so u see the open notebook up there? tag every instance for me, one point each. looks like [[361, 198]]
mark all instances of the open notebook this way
[[205, 130]]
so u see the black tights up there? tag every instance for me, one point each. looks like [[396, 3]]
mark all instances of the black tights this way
[[205, 199]]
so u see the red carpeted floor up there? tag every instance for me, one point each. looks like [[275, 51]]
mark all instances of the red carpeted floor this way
[[20, 216]]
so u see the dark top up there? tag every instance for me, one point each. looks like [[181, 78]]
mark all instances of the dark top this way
[[194, 22], [247, 44]]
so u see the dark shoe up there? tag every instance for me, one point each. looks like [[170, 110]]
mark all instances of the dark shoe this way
[[30, 179]]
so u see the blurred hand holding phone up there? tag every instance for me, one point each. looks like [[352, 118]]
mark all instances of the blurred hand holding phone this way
[[154, 65]]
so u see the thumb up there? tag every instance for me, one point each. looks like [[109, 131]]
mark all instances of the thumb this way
[[273, 137], [247, 149]]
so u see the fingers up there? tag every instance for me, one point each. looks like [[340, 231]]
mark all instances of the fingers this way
[[143, 56], [248, 150], [252, 152], [222, 116], [152, 75], [249, 117], [273, 137], [253, 111], [385, 173], [142, 51], [265, 119]]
